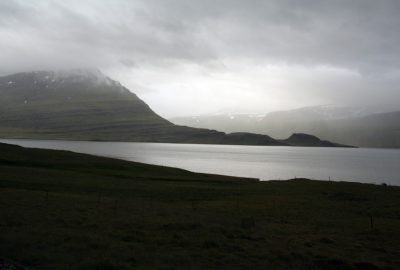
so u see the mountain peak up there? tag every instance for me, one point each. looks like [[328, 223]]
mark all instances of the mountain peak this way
[[71, 75], [75, 75], [303, 136], [59, 82]]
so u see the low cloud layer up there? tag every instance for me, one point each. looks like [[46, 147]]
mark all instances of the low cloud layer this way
[[195, 57]]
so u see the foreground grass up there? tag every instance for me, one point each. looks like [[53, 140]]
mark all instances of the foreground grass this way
[[61, 210]]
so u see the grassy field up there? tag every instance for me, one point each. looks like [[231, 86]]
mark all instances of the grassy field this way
[[61, 210]]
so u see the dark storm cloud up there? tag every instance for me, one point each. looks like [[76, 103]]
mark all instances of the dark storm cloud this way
[[360, 38]]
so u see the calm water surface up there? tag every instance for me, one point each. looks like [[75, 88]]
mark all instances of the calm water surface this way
[[263, 162]]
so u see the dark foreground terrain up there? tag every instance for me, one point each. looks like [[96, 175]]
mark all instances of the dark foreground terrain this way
[[61, 210]]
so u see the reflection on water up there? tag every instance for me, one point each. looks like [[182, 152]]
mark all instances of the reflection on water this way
[[263, 162]]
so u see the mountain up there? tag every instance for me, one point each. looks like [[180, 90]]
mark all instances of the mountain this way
[[301, 139], [363, 130], [350, 126], [375, 130], [279, 124], [221, 122], [87, 105]]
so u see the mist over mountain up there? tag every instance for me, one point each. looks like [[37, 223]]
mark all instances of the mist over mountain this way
[[375, 130], [183, 134], [84, 104], [200, 57], [347, 125], [87, 105], [230, 122]]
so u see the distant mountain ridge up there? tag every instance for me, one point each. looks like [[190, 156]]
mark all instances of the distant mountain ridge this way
[[349, 126], [85, 104], [260, 122]]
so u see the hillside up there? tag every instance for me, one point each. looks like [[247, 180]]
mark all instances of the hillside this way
[[301, 139], [87, 105], [63, 210]]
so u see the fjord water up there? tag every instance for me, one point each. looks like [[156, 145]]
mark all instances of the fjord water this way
[[365, 165]]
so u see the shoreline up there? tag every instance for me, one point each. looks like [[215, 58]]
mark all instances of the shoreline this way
[[180, 143], [65, 210], [149, 151]]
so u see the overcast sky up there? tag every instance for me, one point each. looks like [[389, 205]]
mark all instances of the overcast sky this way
[[189, 57]]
